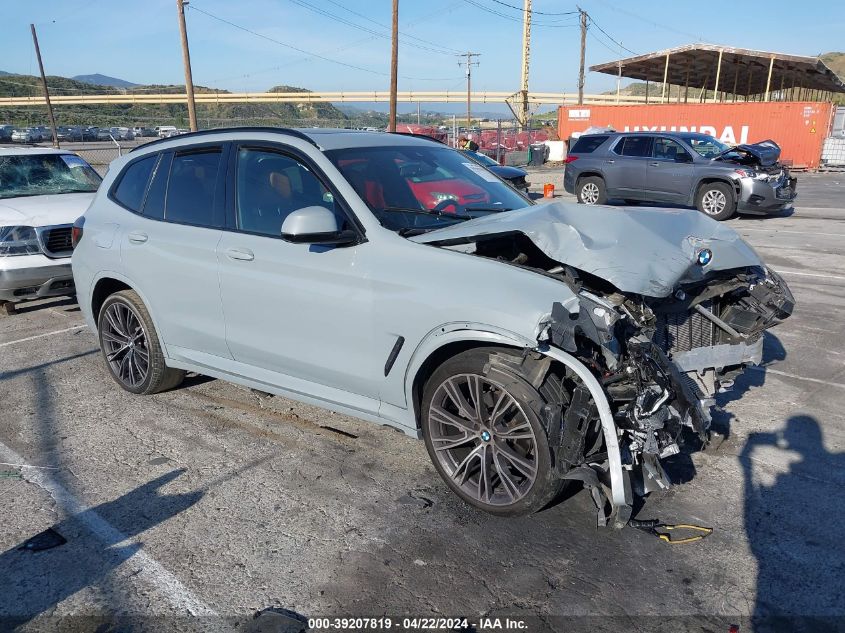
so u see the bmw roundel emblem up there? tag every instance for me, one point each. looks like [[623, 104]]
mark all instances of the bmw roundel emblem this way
[[705, 256]]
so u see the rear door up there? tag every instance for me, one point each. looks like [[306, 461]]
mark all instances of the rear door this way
[[169, 250], [671, 171], [625, 167]]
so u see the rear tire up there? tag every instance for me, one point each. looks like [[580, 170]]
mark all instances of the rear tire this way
[[591, 190], [499, 461], [716, 200], [131, 347]]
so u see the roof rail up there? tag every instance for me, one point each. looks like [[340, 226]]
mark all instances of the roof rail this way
[[246, 128]]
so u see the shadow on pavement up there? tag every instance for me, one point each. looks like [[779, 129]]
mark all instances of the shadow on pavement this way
[[35, 582], [794, 523]]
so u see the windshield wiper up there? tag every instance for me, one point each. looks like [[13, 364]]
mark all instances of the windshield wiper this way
[[437, 214], [488, 209]]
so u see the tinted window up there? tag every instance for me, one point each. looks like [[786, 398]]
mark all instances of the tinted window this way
[[191, 187], [133, 183], [588, 144], [633, 146], [667, 149], [271, 186]]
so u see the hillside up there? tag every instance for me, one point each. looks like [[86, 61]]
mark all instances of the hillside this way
[[104, 80], [208, 115]]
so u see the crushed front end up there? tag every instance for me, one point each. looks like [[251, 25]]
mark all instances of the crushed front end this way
[[661, 361]]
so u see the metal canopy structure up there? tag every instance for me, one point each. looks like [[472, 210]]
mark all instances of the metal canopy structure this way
[[739, 72]]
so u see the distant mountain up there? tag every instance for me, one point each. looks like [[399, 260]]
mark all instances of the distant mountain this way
[[103, 80], [3, 72]]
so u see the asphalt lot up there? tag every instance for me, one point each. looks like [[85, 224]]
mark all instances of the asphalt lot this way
[[215, 501]]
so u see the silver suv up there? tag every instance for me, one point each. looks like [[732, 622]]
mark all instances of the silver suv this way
[[684, 168], [391, 278]]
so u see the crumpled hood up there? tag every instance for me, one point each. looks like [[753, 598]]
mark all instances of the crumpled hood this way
[[766, 152], [44, 210], [641, 251]]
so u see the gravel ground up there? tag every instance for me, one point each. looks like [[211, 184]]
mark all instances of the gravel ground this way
[[215, 501]]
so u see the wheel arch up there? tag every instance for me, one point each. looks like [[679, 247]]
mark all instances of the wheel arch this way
[[706, 180], [587, 173], [106, 284]]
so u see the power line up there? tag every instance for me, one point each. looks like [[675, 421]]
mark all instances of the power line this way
[[309, 54], [403, 33], [333, 16], [534, 11], [516, 19], [607, 35]]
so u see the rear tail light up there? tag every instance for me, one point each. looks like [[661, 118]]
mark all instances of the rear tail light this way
[[570, 159], [76, 231]]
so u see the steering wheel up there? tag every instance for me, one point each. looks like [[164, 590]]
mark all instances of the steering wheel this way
[[448, 202]]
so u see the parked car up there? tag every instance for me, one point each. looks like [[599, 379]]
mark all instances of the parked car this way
[[685, 168], [105, 134], [42, 191], [513, 175], [23, 135], [122, 133], [6, 133], [165, 131], [528, 345]]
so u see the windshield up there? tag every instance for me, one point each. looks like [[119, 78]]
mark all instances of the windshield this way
[[705, 145], [413, 189], [45, 174]]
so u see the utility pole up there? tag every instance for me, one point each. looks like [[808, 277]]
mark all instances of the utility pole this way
[[44, 85], [526, 59], [583, 55], [186, 60], [394, 66], [469, 64]]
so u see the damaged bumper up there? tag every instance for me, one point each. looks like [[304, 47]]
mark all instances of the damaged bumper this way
[[758, 196]]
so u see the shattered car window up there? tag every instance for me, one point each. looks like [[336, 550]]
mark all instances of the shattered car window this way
[[47, 174], [423, 188]]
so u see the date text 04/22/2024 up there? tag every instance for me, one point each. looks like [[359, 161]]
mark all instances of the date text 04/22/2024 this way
[[417, 624]]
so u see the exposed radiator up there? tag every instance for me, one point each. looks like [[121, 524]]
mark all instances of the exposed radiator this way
[[683, 331]]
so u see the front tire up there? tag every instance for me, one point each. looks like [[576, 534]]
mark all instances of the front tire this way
[[484, 434], [131, 347], [591, 190], [716, 200]]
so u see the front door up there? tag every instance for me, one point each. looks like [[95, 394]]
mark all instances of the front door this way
[[670, 172], [298, 315]]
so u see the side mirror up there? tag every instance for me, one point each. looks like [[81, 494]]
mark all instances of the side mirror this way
[[315, 225]]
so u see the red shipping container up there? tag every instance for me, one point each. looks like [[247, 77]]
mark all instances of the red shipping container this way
[[799, 127]]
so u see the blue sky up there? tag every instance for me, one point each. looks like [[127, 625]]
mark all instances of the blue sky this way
[[139, 41]]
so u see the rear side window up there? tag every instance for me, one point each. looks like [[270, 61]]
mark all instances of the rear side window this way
[[133, 183], [192, 185], [588, 144], [634, 146]]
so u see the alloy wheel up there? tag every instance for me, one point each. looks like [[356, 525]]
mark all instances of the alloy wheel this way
[[589, 193], [125, 344], [714, 202], [483, 439]]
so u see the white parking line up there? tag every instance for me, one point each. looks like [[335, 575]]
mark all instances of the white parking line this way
[[796, 272], [32, 338], [829, 383], [149, 570]]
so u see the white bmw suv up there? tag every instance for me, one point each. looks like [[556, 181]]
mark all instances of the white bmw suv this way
[[42, 192], [392, 278]]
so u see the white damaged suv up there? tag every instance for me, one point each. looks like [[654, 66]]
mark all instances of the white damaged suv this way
[[42, 192]]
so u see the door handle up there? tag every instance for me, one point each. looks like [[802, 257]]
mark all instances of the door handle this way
[[611, 161], [242, 254], [655, 164], [136, 237]]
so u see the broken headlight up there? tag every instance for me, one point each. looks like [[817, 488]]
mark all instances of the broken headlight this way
[[18, 240]]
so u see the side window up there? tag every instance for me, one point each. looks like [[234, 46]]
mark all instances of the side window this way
[[191, 186], [587, 144], [271, 186], [668, 149], [133, 183], [633, 146]]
